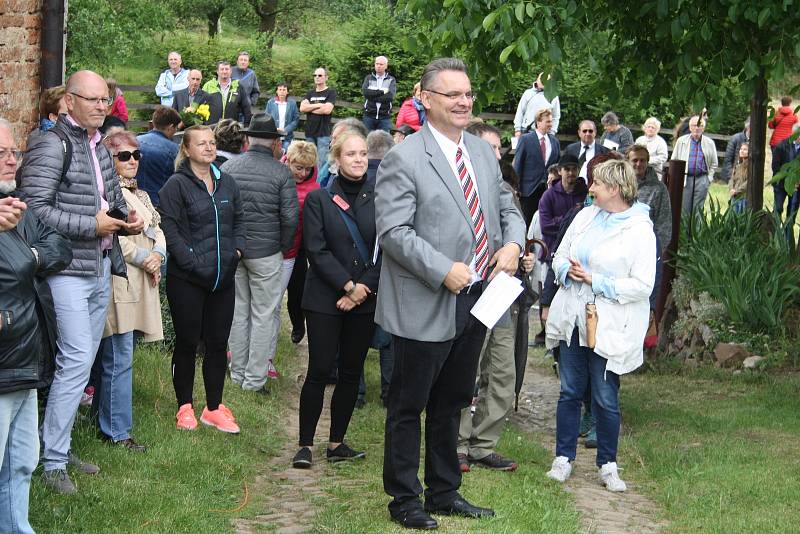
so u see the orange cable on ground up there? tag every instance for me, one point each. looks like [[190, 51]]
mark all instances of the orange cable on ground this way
[[238, 508]]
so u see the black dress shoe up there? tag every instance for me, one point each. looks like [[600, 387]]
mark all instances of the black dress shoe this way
[[461, 507], [415, 518]]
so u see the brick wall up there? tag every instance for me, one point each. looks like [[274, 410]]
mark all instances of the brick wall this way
[[20, 58]]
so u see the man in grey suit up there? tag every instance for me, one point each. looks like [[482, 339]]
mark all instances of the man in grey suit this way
[[446, 226]]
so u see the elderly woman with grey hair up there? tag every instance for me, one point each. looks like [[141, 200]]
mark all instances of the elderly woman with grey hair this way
[[615, 136], [605, 267], [656, 146]]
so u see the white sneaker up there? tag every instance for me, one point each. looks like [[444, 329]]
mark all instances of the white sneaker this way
[[610, 477], [561, 469]]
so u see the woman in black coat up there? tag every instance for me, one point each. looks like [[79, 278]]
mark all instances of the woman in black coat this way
[[203, 222], [339, 296]]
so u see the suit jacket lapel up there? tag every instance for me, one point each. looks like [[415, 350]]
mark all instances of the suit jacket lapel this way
[[445, 172]]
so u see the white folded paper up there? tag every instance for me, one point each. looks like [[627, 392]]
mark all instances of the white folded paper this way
[[609, 144], [496, 299]]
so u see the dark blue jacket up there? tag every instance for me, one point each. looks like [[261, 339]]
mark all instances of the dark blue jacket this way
[[292, 116], [528, 164], [157, 163]]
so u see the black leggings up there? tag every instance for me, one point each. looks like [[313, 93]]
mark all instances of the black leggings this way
[[295, 290], [199, 314], [348, 335]]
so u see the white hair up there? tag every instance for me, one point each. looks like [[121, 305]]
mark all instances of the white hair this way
[[654, 121], [5, 124], [383, 58]]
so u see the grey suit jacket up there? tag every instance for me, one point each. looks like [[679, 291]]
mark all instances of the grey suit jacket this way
[[424, 227]]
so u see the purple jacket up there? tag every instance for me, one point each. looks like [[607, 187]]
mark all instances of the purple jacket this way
[[555, 203]]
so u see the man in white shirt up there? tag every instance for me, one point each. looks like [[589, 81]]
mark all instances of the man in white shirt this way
[[173, 79], [532, 101], [587, 148]]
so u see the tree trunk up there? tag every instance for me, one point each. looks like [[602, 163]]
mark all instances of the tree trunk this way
[[758, 142], [268, 13]]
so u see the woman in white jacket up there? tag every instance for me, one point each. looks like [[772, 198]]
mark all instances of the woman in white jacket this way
[[607, 257]]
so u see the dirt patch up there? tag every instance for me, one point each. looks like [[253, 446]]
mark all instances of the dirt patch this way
[[601, 510]]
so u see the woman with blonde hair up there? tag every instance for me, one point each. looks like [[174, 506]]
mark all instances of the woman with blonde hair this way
[[302, 161], [605, 267], [135, 303], [339, 299], [202, 218]]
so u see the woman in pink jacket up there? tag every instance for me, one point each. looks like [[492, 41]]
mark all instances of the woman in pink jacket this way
[[412, 112]]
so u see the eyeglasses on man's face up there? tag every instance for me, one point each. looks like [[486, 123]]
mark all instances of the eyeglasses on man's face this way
[[455, 97], [103, 100], [6, 153]]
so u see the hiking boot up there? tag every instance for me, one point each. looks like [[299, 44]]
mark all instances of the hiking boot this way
[[58, 480], [591, 439], [302, 460], [128, 443], [609, 476], [80, 465], [496, 462], [342, 453], [463, 463], [219, 420], [586, 424], [561, 469], [186, 418]]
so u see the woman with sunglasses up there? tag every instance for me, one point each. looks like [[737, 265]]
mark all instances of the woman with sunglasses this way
[[135, 304], [202, 217]]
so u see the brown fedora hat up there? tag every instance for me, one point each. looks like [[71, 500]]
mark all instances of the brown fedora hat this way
[[263, 126]]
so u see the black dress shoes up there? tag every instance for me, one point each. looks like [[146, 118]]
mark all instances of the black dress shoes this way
[[415, 518], [462, 508], [298, 334]]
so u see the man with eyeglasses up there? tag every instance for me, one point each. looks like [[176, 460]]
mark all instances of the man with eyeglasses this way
[[446, 226], [586, 148], [29, 252], [158, 152], [172, 79], [84, 203], [318, 107]]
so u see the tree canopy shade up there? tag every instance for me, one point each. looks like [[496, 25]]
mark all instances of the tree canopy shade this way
[[694, 51]]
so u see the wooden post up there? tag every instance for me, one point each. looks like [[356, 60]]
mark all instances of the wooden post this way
[[673, 178], [758, 143]]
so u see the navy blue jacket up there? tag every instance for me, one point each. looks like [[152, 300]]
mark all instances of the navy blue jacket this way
[[292, 116], [157, 163], [528, 164]]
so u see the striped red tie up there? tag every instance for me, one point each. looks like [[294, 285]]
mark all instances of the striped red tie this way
[[475, 211]]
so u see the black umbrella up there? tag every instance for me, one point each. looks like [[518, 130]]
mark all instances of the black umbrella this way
[[527, 299]]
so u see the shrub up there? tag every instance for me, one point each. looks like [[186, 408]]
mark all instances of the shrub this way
[[745, 262]]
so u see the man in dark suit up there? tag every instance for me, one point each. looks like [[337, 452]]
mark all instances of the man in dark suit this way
[[446, 225], [535, 153], [192, 95], [587, 148]]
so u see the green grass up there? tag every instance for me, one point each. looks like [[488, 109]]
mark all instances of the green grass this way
[[720, 453], [525, 501], [186, 481]]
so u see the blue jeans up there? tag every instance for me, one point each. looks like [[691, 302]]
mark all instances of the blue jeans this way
[[81, 303], [115, 414], [738, 205], [19, 450], [579, 367], [372, 123], [323, 144]]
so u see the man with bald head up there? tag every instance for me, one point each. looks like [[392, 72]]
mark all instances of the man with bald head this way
[[191, 96], [379, 89], [29, 251], [172, 79], [69, 183]]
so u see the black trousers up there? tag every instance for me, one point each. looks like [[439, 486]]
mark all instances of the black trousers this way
[[198, 314], [294, 290], [438, 377], [530, 204], [349, 336]]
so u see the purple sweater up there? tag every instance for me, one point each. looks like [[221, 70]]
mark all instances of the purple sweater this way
[[555, 203]]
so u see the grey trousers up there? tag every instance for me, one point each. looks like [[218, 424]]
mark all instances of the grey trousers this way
[[81, 303], [258, 292], [695, 191], [478, 434]]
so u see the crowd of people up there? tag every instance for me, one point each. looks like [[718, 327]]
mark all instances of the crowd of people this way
[[376, 240]]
